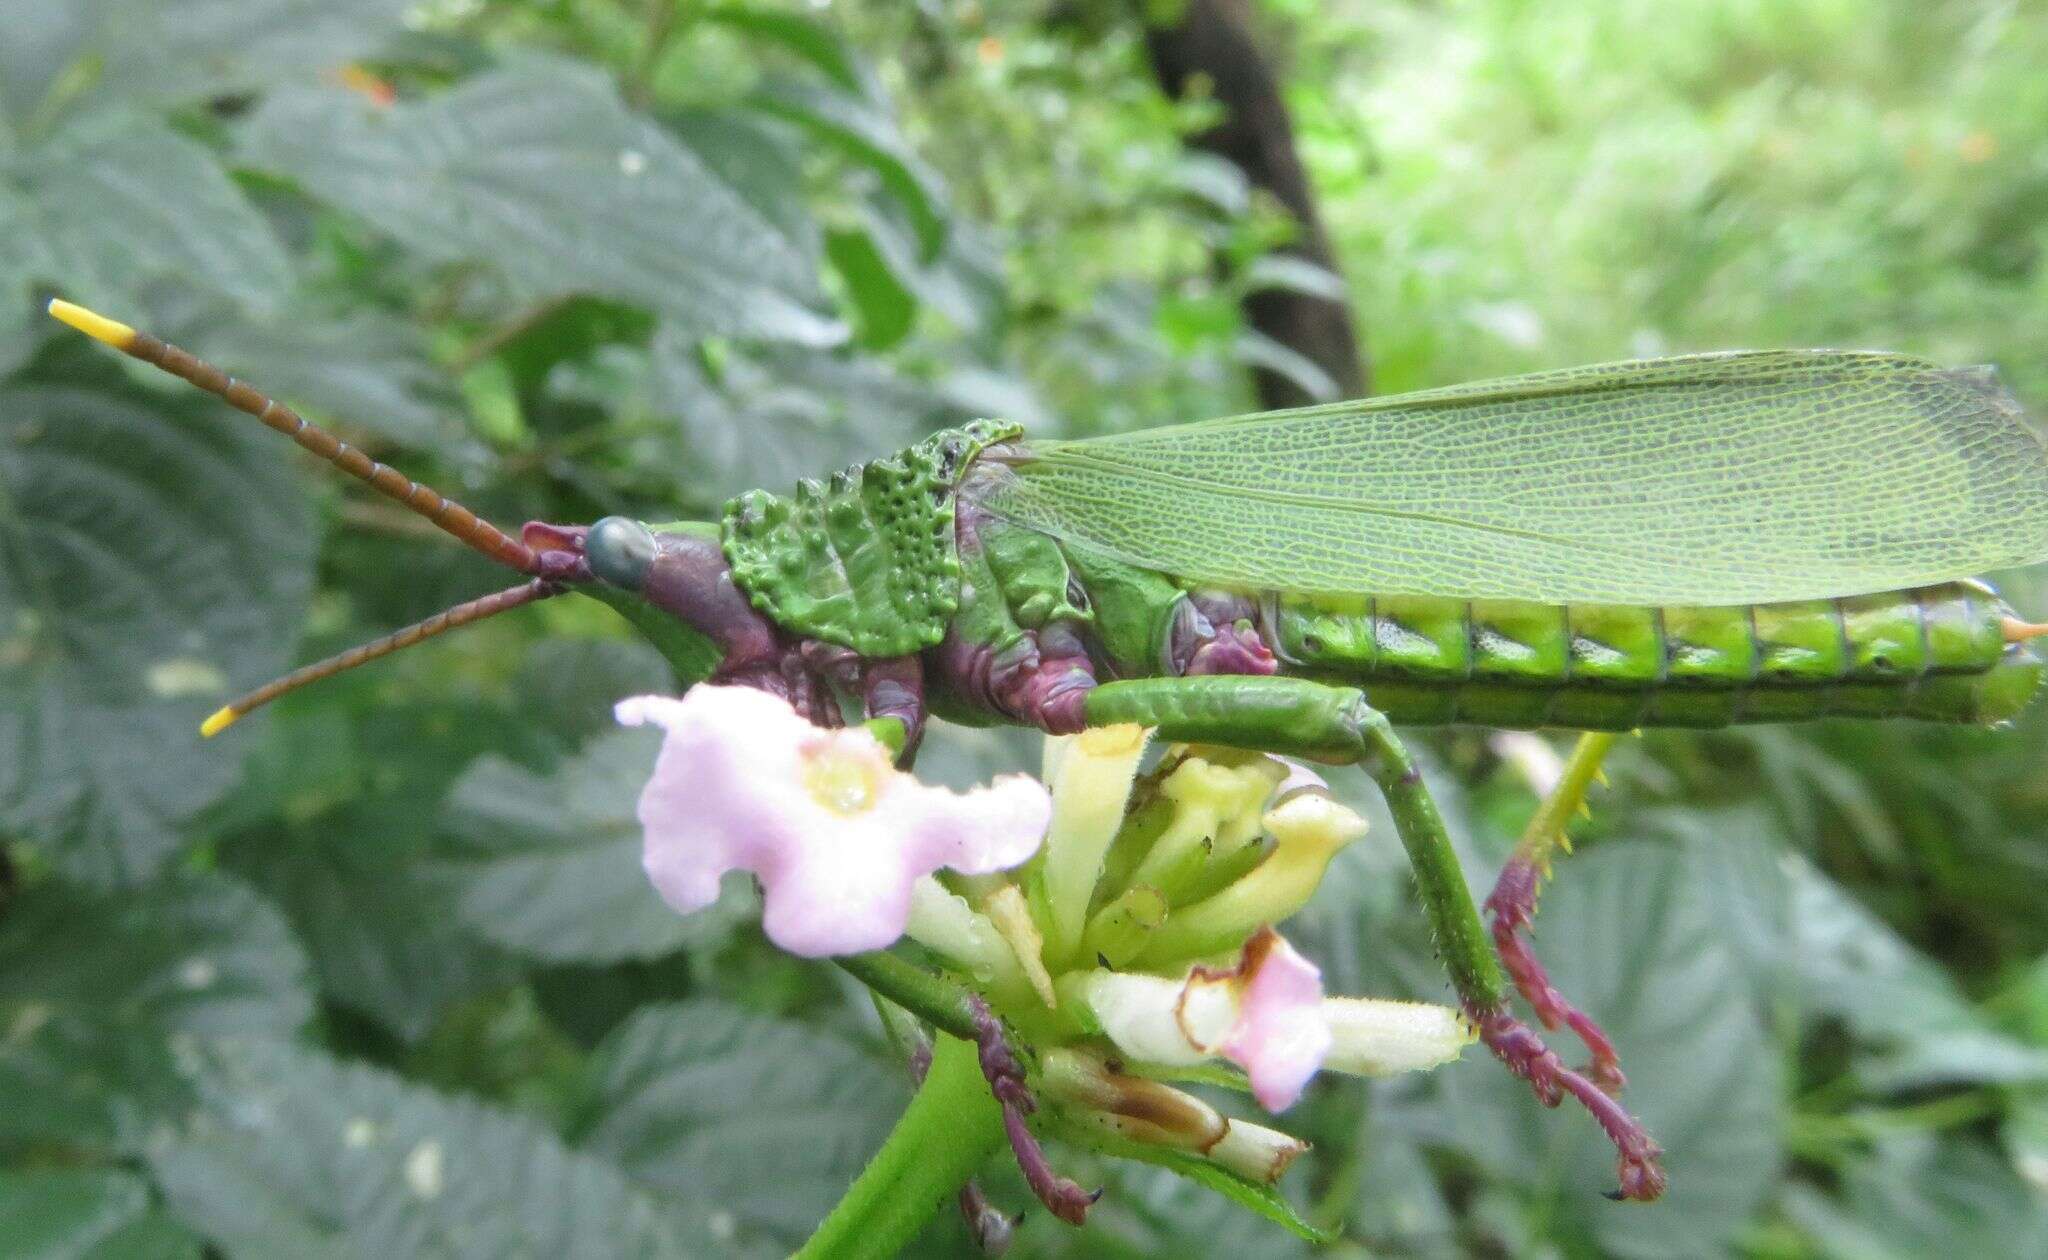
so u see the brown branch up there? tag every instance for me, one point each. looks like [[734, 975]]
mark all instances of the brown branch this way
[[1211, 43]]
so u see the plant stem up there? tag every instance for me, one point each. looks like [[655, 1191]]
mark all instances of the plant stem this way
[[943, 1003], [951, 1126]]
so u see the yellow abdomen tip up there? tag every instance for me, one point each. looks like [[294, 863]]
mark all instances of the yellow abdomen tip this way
[[92, 324], [220, 720]]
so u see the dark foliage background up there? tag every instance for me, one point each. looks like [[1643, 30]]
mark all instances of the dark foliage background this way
[[375, 974]]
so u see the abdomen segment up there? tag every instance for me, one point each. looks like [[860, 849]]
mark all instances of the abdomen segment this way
[[1938, 653]]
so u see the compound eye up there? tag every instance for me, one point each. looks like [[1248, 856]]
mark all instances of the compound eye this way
[[619, 551]]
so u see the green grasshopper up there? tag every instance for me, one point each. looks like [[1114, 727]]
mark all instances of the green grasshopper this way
[[1685, 542]]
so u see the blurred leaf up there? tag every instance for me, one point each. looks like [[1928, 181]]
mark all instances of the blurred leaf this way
[[1922, 1198], [541, 171], [1851, 965], [382, 932], [959, 282], [576, 682], [861, 129], [884, 306], [95, 986], [153, 560], [366, 370], [760, 160], [77, 1214], [1195, 1222], [1256, 349], [1294, 274], [293, 1153], [808, 38], [767, 1118], [1262, 1200], [145, 50], [1626, 937], [113, 203], [771, 417], [548, 865]]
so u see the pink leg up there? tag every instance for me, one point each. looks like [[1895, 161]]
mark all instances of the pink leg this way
[[1517, 1045], [1512, 904], [1067, 1200]]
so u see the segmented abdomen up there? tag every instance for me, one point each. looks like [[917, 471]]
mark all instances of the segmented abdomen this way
[[1937, 653]]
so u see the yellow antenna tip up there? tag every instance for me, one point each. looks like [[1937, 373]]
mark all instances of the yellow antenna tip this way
[[221, 719], [92, 324]]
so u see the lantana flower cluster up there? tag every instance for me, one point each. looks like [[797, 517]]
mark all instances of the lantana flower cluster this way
[[1121, 923]]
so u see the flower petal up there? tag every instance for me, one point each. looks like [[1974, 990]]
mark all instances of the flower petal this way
[[1378, 1037], [835, 833], [1281, 1034], [1266, 1016]]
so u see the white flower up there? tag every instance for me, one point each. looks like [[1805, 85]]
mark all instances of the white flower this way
[[837, 835]]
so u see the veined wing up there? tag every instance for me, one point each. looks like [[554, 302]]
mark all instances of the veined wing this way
[[1736, 478]]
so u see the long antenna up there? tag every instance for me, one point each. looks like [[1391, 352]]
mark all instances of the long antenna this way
[[444, 512], [440, 623]]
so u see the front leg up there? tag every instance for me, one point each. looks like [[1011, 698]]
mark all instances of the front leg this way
[[1310, 719], [892, 695]]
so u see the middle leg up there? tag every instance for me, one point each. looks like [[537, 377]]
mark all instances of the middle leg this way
[[1310, 719]]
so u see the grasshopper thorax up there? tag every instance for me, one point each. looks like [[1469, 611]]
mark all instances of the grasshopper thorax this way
[[867, 559]]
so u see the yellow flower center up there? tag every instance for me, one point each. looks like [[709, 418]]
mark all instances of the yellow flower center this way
[[845, 780]]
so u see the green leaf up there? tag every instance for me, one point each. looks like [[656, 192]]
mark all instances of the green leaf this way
[[767, 1118], [367, 370], [86, 1214], [294, 1153], [95, 985], [885, 308], [1266, 1201], [114, 203], [1627, 937], [576, 682], [768, 418], [1808, 942], [1920, 1197], [154, 560], [761, 161], [1851, 964], [91, 53], [863, 130], [541, 171], [548, 865], [811, 40], [380, 927]]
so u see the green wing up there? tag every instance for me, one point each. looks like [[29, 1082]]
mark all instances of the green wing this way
[[1711, 479]]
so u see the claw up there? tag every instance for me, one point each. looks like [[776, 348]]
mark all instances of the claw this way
[[1064, 1197], [1512, 904], [1517, 1045]]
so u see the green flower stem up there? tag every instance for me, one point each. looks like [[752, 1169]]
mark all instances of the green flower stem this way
[[951, 1126], [945, 1004]]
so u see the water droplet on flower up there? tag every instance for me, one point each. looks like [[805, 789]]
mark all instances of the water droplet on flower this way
[[843, 780], [632, 161], [360, 1132], [198, 973]]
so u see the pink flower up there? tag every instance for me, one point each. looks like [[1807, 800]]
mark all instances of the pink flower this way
[[1266, 1016], [836, 834], [1281, 1034]]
